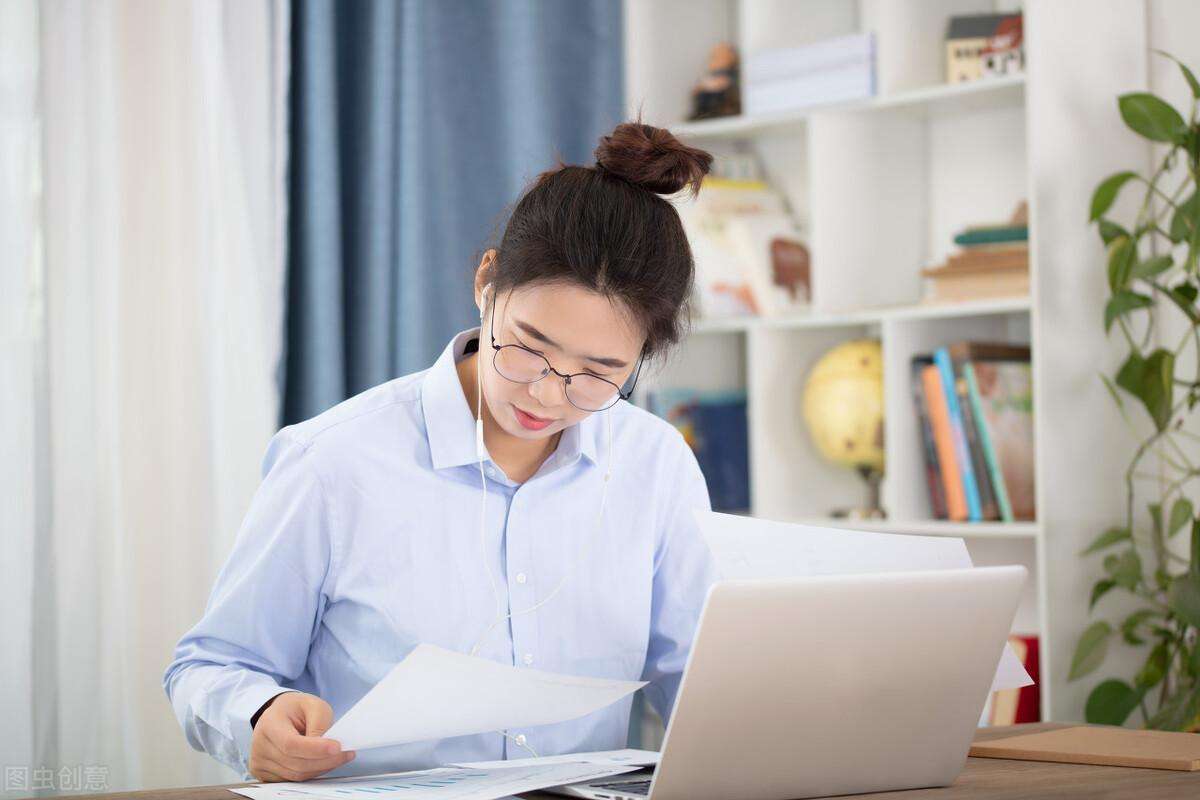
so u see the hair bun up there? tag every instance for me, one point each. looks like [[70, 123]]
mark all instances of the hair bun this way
[[652, 158]]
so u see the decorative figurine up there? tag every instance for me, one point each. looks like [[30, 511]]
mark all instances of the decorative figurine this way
[[717, 94]]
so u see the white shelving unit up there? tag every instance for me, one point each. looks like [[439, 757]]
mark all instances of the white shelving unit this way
[[879, 187]]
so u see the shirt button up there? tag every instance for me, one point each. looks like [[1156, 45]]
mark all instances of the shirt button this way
[[520, 738], [520, 577], [528, 659]]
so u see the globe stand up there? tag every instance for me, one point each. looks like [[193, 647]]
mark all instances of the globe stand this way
[[874, 478]]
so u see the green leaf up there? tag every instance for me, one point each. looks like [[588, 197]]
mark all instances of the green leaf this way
[[1152, 117], [1130, 625], [1184, 296], [1194, 662], [1184, 598], [1154, 669], [1187, 73], [1099, 590], [1121, 254], [1178, 711], [1181, 514], [1125, 569], [1196, 547], [1161, 579], [1110, 230], [1182, 220], [1121, 303], [1107, 539], [1151, 380], [1091, 649], [1147, 269], [1106, 193], [1111, 703]]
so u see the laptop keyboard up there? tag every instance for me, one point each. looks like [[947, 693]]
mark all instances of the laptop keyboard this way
[[628, 787]]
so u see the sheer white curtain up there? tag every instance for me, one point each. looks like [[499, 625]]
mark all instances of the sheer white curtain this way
[[145, 362], [21, 360]]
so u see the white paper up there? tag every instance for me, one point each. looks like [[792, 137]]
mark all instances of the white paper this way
[[746, 547], [442, 783], [615, 758], [436, 693]]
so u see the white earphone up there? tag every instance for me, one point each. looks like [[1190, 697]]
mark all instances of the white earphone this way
[[480, 453]]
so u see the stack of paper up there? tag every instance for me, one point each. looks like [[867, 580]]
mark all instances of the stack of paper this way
[[833, 70], [442, 783]]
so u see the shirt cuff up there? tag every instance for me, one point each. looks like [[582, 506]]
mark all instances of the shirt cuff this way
[[247, 703]]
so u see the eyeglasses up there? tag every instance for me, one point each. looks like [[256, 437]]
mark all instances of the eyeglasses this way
[[585, 391]]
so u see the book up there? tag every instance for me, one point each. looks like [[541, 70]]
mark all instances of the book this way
[[939, 420], [995, 257], [713, 424], [721, 286], [816, 57], [959, 284], [777, 284], [933, 475], [988, 351], [849, 82], [995, 474], [992, 234], [1005, 391], [989, 510], [963, 457]]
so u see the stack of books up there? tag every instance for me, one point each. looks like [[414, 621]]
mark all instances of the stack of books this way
[[974, 404], [830, 71], [993, 262]]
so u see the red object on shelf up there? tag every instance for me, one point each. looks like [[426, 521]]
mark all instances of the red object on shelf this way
[[1029, 700]]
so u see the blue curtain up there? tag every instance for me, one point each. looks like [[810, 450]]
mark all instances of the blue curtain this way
[[413, 126]]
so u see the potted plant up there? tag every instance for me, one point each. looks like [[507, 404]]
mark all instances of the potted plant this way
[[1152, 272]]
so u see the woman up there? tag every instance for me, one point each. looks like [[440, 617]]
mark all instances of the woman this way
[[562, 538]]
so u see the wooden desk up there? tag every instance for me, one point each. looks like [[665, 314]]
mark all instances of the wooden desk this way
[[981, 779]]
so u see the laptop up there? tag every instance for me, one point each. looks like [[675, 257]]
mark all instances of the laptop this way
[[828, 685]]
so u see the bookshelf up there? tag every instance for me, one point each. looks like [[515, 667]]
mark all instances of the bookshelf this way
[[879, 187]]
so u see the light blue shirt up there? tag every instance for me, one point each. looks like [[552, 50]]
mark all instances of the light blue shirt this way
[[363, 541]]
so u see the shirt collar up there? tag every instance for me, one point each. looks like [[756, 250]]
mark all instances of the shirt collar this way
[[450, 425]]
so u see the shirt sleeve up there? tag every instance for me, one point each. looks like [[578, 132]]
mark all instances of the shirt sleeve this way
[[263, 611], [684, 569]]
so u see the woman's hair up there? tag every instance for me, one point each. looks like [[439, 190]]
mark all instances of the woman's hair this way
[[607, 228]]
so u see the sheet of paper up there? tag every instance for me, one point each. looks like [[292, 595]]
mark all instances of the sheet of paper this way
[[746, 547], [442, 783], [640, 758], [436, 693]]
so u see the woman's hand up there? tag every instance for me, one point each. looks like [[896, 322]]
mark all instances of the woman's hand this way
[[288, 745]]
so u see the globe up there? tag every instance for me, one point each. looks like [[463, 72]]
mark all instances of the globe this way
[[843, 405]]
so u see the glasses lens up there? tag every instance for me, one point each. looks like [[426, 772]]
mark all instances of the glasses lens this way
[[520, 365], [589, 393]]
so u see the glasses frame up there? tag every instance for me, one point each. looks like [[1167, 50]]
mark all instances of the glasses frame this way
[[496, 348]]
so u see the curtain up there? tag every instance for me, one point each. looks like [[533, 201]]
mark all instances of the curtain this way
[[21, 379], [413, 126], [139, 363]]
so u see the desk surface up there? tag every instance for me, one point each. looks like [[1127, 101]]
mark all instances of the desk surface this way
[[981, 779]]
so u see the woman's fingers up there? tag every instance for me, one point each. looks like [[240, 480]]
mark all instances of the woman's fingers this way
[[283, 768], [288, 744], [286, 747]]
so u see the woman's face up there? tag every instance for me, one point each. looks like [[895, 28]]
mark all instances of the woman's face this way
[[577, 330]]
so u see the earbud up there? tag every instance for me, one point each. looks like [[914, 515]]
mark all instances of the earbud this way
[[483, 300]]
